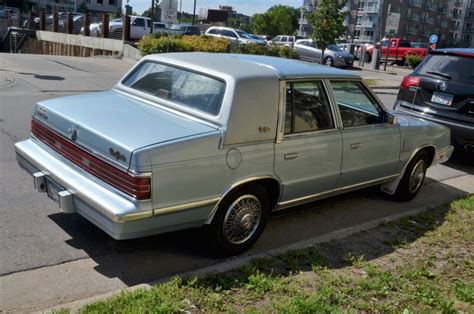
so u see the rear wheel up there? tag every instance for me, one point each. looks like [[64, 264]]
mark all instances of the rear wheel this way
[[412, 178], [240, 220]]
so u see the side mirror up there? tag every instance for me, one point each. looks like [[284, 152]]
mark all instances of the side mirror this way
[[390, 118]]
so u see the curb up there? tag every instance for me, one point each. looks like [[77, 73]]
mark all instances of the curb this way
[[238, 262]]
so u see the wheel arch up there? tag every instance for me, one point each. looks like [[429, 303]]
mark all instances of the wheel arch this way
[[430, 150], [271, 184]]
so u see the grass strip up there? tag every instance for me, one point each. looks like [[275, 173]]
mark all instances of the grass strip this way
[[422, 263]]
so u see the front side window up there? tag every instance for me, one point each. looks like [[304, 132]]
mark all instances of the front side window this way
[[193, 90], [356, 106], [307, 108], [139, 22]]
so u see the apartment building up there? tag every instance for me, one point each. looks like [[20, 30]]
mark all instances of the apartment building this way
[[467, 24], [451, 20]]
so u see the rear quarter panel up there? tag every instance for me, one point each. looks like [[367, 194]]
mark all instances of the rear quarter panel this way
[[198, 168]]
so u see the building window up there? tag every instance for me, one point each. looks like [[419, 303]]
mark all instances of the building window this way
[[100, 2], [360, 6], [111, 2]]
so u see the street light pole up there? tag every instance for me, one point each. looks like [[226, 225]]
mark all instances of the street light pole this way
[[194, 11]]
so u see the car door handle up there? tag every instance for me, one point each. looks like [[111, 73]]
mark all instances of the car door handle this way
[[290, 156], [355, 146]]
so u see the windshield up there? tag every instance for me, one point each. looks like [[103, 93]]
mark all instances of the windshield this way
[[334, 48], [178, 27], [193, 90], [243, 34]]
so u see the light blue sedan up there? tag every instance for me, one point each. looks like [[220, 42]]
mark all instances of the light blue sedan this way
[[192, 139]]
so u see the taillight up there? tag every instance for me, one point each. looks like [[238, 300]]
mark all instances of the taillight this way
[[136, 186], [410, 81]]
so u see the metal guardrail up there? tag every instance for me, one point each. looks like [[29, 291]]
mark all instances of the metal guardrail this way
[[67, 23]]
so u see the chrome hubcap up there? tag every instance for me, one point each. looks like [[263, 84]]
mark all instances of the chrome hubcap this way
[[242, 219], [417, 176], [328, 62]]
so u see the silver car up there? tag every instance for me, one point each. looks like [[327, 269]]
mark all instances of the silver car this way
[[333, 55], [234, 35], [180, 142]]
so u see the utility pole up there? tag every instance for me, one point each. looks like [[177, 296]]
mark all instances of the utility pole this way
[[194, 11], [152, 15]]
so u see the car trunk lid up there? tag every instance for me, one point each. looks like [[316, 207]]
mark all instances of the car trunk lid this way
[[111, 125]]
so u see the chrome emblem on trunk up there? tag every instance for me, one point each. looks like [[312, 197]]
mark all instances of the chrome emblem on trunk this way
[[72, 133], [117, 154], [443, 86]]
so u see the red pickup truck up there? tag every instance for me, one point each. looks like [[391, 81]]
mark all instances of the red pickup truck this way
[[399, 49]]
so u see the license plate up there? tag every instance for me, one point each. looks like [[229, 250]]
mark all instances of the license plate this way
[[53, 189], [442, 98]]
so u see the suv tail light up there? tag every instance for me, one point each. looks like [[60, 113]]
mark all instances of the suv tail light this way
[[410, 81], [136, 186]]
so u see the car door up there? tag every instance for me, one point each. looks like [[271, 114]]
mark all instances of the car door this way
[[371, 146], [308, 158], [138, 28]]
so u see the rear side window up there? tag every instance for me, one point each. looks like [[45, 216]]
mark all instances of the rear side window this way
[[212, 31], [460, 69], [307, 108], [139, 22]]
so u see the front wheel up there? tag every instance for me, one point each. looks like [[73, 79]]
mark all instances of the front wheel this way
[[240, 220], [367, 57], [412, 178], [328, 62]]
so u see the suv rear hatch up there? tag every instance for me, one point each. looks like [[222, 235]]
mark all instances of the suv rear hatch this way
[[442, 86]]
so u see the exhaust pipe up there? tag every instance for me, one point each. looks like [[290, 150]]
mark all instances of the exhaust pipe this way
[[469, 147]]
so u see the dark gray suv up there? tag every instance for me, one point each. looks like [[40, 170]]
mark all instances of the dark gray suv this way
[[441, 89]]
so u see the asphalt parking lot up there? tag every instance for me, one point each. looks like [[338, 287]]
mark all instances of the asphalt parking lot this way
[[49, 258]]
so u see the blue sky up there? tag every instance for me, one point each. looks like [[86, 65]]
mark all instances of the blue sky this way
[[248, 7]]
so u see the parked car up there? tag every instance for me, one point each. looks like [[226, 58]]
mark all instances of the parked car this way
[[284, 40], [232, 34], [397, 52], [184, 29], [180, 143], [441, 89], [139, 26], [77, 23], [259, 40], [159, 26], [333, 55]]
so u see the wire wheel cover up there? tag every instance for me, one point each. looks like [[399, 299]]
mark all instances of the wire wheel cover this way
[[416, 177], [242, 219]]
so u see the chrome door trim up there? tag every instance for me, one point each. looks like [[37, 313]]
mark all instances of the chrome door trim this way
[[314, 197], [332, 102], [183, 207], [281, 112]]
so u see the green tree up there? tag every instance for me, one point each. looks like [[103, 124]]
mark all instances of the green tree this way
[[327, 23], [82, 8], [147, 12], [278, 20]]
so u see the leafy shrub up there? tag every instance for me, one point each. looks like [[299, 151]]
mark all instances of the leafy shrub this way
[[159, 43], [413, 60]]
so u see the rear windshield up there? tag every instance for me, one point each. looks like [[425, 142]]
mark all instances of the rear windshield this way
[[460, 69], [191, 89]]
